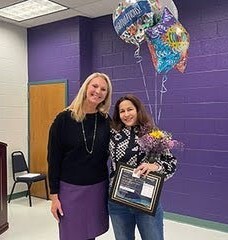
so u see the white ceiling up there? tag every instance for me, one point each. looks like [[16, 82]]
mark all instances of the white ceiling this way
[[87, 8]]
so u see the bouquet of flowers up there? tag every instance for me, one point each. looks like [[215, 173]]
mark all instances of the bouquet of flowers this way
[[158, 142]]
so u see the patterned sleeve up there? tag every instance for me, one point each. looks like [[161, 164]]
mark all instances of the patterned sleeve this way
[[168, 163]]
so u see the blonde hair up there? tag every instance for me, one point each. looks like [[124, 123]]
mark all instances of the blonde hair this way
[[77, 104]]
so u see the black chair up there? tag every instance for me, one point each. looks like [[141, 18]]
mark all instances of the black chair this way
[[21, 174]]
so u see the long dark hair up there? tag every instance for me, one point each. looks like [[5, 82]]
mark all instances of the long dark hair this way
[[144, 121]]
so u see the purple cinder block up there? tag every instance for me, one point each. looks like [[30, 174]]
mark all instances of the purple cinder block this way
[[203, 207], [195, 13], [216, 176], [222, 28], [107, 71], [198, 110], [206, 126], [140, 94], [121, 83], [200, 126], [74, 86], [223, 61], [205, 157], [53, 50], [214, 12], [203, 63], [134, 84], [195, 48], [210, 46], [129, 58], [200, 141], [128, 71], [207, 189], [197, 80], [221, 126], [172, 125], [70, 50], [97, 62], [118, 45], [105, 48], [206, 94], [203, 31], [112, 60]]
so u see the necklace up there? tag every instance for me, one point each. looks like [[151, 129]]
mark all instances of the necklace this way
[[94, 136]]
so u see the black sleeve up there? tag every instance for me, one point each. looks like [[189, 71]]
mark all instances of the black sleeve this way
[[55, 153], [168, 163]]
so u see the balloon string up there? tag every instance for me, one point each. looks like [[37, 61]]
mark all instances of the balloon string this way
[[163, 90], [137, 56], [156, 97], [139, 61]]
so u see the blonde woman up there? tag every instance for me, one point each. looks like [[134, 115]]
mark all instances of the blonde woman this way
[[77, 161]]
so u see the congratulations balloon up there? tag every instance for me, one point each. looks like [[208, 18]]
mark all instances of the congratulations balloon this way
[[170, 5], [132, 17], [168, 42]]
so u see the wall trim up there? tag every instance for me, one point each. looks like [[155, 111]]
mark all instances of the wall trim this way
[[53, 81], [197, 222]]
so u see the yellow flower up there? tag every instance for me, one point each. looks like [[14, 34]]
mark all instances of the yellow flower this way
[[157, 134]]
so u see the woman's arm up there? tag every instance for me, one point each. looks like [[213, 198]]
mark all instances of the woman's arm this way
[[168, 163], [165, 165], [55, 155]]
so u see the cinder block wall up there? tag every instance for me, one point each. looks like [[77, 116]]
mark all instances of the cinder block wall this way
[[194, 108]]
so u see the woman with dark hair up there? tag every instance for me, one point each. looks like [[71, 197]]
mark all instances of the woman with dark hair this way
[[131, 121]]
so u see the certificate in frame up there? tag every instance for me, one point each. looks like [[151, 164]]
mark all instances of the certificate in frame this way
[[142, 193]]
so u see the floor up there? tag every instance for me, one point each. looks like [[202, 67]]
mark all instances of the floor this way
[[37, 223]]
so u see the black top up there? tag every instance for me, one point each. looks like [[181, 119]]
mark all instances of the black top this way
[[68, 159]]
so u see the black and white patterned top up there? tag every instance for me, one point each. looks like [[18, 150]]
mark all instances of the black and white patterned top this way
[[124, 148]]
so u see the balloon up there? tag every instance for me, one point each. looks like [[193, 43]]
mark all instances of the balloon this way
[[181, 65], [132, 17], [168, 42], [168, 4]]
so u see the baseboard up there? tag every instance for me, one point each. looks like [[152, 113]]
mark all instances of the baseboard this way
[[4, 227], [197, 222]]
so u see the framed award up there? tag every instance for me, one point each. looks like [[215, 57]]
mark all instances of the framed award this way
[[136, 191]]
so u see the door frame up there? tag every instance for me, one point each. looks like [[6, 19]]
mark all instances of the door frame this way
[[42, 83]]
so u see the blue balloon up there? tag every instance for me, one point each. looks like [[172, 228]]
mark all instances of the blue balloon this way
[[130, 19], [166, 56]]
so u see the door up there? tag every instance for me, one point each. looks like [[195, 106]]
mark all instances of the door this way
[[46, 100]]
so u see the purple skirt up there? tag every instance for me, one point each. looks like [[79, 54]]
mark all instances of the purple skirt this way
[[85, 211]]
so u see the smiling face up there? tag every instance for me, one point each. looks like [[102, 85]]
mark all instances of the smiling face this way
[[97, 91], [128, 113]]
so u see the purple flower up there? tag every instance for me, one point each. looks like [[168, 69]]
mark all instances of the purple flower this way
[[158, 142]]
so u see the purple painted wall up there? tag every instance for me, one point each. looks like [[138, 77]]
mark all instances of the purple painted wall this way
[[60, 50], [194, 109]]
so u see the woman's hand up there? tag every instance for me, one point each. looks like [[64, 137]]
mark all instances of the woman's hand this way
[[145, 168], [56, 208]]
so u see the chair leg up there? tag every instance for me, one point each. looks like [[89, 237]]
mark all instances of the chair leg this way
[[29, 194], [46, 187], [11, 192]]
